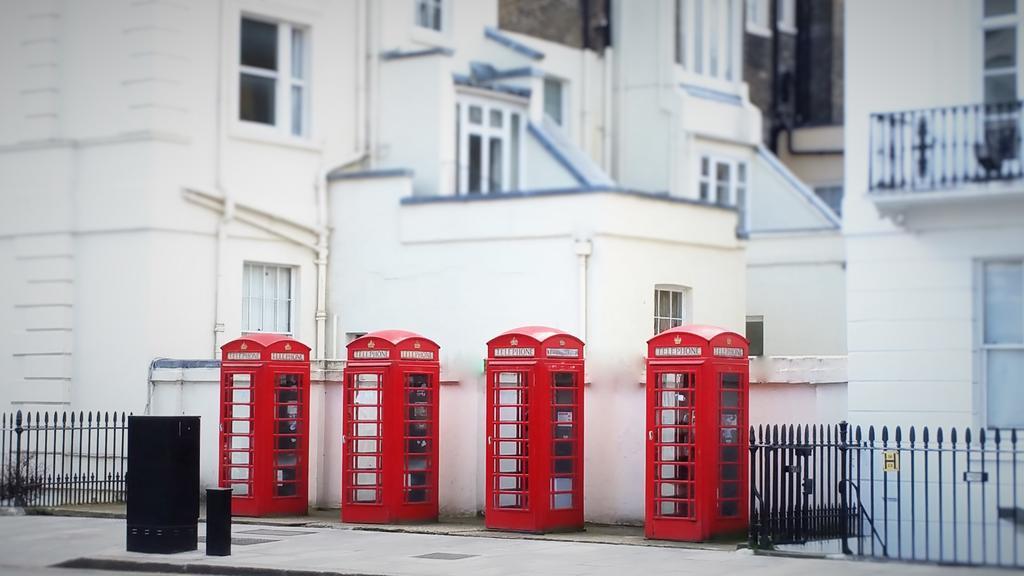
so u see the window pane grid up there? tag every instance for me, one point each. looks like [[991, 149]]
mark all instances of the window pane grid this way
[[418, 439], [510, 441], [1002, 341], [287, 434], [364, 445], [267, 298], [674, 479], [238, 427], [669, 309], [565, 451]]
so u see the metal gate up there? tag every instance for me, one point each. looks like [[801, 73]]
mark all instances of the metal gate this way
[[934, 496]]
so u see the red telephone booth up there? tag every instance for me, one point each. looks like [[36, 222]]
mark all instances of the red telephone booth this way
[[697, 378], [264, 424], [389, 455], [535, 431]]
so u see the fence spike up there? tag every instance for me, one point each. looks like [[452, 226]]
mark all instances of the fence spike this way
[[775, 434], [981, 437], [871, 434], [952, 435], [807, 434], [1013, 436], [858, 435], [996, 437], [913, 436], [924, 435], [899, 435], [938, 435], [967, 436]]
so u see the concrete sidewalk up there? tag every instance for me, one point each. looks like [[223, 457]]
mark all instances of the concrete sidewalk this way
[[300, 551], [462, 526]]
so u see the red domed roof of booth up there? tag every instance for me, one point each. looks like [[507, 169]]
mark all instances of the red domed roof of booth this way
[[700, 330], [266, 340], [395, 337], [538, 333]]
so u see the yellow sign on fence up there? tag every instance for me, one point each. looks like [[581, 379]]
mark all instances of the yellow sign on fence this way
[[891, 461]]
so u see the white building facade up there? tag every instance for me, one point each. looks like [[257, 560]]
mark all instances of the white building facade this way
[[325, 169], [934, 214]]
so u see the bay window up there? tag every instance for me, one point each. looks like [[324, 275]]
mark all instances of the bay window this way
[[707, 37]]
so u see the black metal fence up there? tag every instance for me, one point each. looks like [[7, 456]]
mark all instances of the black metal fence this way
[[936, 148], [51, 459], [933, 496]]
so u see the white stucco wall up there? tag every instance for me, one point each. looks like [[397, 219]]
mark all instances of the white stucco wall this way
[[911, 277], [108, 266]]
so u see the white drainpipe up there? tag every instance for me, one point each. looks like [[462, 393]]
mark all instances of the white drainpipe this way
[[583, 248]]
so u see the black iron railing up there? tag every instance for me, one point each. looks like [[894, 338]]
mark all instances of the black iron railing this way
[[936, 148], [927, 495], [51, 459]]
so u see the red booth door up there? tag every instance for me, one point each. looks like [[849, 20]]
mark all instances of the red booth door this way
[[363, 453], [673, 485], [419, 444], [509, 503], [237, 434], [565, 504], [289, 489]]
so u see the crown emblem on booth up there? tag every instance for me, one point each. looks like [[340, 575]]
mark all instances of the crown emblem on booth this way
[[244, 346], [416, 345], [728, 339], [287, 346], [677, 340], [515, 341], [561, 342], [371, 344]]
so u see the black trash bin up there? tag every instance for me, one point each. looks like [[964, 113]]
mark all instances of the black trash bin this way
[[163, 483]]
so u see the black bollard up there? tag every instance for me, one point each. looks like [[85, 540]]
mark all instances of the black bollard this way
[[218, 521]]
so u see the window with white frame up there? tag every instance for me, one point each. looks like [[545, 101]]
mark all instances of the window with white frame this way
[[274, 75], [999, 26], [267, 301], [489, 145], [1002, 341], [670, 307], [759, 17], [723, 181], [429, 14], [707, 39], [787, 16], [554, 100]]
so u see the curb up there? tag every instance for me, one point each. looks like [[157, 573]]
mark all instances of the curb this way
[[116, 565]]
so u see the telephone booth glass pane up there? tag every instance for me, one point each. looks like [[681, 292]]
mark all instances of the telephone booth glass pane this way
[[417, 438], [238, 429], [674, 484], [510, 440], [565, 438], [287, 433], [729, 426], [365, 442]]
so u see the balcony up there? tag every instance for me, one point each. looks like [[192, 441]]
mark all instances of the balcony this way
[[951, 153]]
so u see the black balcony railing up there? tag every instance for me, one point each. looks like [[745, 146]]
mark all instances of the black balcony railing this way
[[937, 148]]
